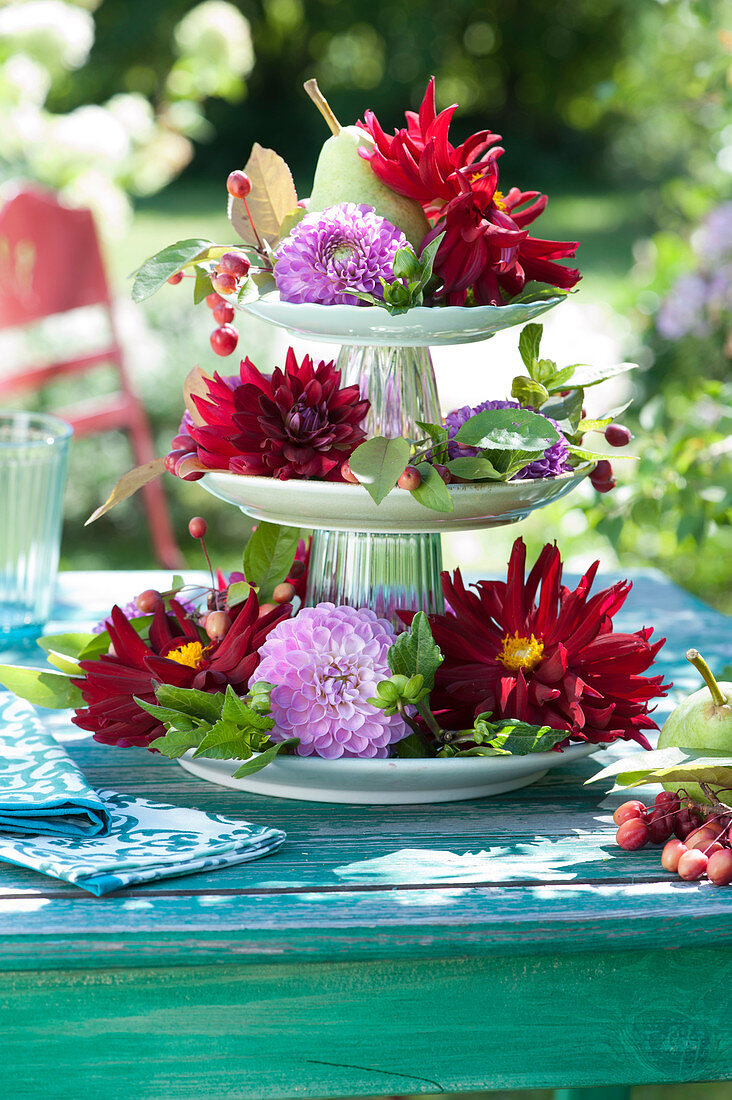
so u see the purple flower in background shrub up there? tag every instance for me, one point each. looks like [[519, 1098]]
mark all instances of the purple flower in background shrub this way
[[325, 664], [682, 311], [713, 239], [341, 248], [554, 460]]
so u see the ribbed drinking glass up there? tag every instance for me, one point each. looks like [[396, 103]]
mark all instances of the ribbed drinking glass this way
[[33, 454]]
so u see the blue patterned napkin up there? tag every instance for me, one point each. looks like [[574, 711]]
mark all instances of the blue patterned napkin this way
[[41, 788], [140, 840]]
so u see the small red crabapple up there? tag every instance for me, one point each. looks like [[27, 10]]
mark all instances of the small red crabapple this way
[[197, 527], [410, 479], [238, 184], [224, 339]]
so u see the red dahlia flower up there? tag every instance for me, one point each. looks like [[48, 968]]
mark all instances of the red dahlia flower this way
[[555, 661], [486, 247], [420, 162], [296, 423], [176, 654]]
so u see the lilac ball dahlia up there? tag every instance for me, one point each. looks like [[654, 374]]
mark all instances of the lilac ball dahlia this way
[[554, 460], [341, 248], [325, 664]]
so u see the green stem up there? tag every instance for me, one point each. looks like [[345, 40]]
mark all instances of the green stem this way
[[429, 718], [414, 727], [695, 658], [311, 87]]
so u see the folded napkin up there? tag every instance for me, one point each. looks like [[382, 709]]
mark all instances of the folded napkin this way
[[126, 840], [149, 840], [41, 788]]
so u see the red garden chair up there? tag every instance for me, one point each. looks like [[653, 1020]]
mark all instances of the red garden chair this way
[[50, 263]]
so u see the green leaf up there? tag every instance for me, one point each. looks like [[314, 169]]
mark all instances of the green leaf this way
[[262, 759], [237, 593], [177, 742], [509, 735], [70, 645], [43, 689], [529, 342], [508, 429], [543, 370], [559, 379], [202, 286], [567, 411], [406, 265], [268, 557], [537, 292], [156, 271], [588, 424], [172, 718], [585, 375], [439, 435], [196, 704], [415, 652], [378, 463], [592, 456], [674, 765], [64, 663], [474, 468], [432, 493], [177, 583], [248, 291], [237, 711], [427, 260], [528, 392], [410, 747], [225, 741]]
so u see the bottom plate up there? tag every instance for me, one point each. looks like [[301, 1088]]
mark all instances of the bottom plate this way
[[386, 782]]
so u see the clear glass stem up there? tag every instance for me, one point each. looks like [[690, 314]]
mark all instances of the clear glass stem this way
[[400, 383], [385, 572]]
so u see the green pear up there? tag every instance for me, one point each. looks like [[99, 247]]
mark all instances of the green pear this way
[[342, 175], [702, 721]]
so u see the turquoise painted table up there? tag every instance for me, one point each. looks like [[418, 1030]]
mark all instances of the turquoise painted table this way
[[504, 943]]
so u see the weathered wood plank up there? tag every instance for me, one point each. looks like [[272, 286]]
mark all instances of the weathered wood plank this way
[[169, 930], [380, 1027]]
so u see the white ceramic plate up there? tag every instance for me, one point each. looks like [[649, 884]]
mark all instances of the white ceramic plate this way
[[341, 507], [387, 782], [419, 327]]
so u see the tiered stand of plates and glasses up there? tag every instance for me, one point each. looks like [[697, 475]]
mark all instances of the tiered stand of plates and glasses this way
[[387, 557]]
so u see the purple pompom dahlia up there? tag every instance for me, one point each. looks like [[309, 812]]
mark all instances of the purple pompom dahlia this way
[[346, 247], [325, 664], [553, 462]]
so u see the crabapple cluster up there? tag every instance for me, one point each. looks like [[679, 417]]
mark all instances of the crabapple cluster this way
[[695, 843], [225, 279]]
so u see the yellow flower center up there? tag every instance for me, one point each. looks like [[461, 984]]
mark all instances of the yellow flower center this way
[[500, 201], [190, 654], [520, 652]]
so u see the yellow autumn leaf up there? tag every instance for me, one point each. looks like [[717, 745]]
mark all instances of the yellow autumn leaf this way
[[128, 484], [271, 198]]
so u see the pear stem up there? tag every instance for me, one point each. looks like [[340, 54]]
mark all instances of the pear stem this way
[[311, 87], [695, 658]]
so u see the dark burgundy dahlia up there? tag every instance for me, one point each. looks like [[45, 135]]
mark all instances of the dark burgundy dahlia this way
[[296, 423], [530, 648], [176, 653]]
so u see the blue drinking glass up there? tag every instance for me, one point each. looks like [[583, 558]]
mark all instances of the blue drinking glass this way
[[33, 456]]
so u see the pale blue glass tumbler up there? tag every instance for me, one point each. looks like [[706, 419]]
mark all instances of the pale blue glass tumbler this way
[[33, 456]]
